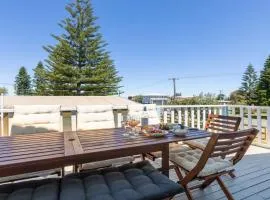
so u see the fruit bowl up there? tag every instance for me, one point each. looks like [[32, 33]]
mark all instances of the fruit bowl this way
[[153, 131], [179, 131]]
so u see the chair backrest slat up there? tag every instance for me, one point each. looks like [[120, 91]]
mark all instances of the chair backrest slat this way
[[229, 142], [222, 124], [226, 152], [226, 147]]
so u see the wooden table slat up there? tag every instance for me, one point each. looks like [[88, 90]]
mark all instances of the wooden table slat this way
[[72, 144], [33, 151]]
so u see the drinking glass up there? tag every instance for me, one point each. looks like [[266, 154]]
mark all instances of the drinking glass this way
[[133, 121]]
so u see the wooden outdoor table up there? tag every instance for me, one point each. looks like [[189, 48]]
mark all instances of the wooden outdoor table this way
[[36, 152]]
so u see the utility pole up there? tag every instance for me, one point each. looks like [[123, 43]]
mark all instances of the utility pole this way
[[221, 94], [174, 86]]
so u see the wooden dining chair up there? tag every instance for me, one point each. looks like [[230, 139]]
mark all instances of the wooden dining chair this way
[[216, 124], [208, 165]]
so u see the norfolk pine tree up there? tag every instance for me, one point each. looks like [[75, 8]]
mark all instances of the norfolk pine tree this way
[[23, 82], [263, 89], [249, 85], [79, 64], [3, 90], [39, 80]]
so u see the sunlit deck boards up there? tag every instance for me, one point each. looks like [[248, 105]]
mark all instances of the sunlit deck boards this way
[[252, 180]]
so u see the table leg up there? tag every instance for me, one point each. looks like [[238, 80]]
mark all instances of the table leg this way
[[165, 159]]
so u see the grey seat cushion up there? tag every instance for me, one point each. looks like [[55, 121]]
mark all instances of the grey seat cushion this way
[[198, 143], [46, 189], [174, 148], [128, 182]]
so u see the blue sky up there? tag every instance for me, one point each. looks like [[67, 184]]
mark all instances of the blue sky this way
[[150, 40]]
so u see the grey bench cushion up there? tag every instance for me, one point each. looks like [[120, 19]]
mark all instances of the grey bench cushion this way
[[137, 181], [128, 182], [46, 189]]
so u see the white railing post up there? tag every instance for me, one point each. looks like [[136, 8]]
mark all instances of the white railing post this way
[[165, 116], [179, 116], [249, 117], [242, 117], [204, 117], [233, 111], [215, 111], [199, 118], [192, 117], [2, 114], [220, 111], [259, 124], [172, 116], [186, 117], [268, 127]]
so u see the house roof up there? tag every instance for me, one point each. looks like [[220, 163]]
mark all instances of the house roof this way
[[66, 101]]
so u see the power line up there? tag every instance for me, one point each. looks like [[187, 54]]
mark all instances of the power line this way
[[210, 75]]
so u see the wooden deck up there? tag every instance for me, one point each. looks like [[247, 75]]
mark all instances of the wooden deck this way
[[252, 180]]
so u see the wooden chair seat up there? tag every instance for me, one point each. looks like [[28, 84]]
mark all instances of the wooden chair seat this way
[[189, 159]]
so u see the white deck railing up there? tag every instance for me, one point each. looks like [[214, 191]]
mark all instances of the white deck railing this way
[[196, 115]]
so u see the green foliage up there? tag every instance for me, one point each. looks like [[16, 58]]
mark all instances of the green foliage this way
[[79, 64], [249, 85], [237, 97], [39, 80], [263, 89], [221, 96], [23, 82], [201, 99], [138, 98], [3, 90]]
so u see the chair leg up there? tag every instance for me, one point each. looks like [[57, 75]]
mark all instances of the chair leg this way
[[207, 183], [63, 171], [178, 173], [224, 189], [143, 156], [232, 175], [180, 177], [188, 193]]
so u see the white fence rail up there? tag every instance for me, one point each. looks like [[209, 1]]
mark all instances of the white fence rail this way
[[196, 115]]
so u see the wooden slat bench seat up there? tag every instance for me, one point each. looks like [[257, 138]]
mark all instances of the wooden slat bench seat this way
[[137, 181]]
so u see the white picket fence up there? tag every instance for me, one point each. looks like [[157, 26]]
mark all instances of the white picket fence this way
[[196, 115]]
